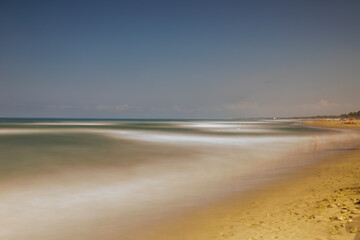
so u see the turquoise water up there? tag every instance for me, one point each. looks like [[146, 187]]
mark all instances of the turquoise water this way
[[61, 176]]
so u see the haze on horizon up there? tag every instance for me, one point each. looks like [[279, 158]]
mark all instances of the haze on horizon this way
[[179, 59]]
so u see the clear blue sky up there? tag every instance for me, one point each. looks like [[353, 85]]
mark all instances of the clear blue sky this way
[[179, 59]]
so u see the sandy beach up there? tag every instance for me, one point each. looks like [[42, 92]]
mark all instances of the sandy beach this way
[[333, 123], [204, 181], [320, 201]]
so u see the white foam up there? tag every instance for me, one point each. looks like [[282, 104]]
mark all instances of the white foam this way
[[71, 123], [10, 131], [211, 125], [191, 139], [235, 127], [23, 131], [56, 206]]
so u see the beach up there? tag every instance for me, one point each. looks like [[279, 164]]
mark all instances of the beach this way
[[333, 123], [135, 180], [319, 201], [179, 120]]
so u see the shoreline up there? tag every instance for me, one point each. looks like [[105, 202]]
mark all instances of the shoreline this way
[[332, 123], [88, 202], [316, 201]]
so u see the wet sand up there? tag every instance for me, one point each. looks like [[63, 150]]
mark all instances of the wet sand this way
[[320, 201]]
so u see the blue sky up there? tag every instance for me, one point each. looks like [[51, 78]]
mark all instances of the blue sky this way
[[179, 59]]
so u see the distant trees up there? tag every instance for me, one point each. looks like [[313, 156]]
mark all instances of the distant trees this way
[[351, 115]]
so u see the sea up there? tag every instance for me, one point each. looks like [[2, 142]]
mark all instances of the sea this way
[[108, 178]]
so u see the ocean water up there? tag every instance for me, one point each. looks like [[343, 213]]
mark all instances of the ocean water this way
[[105, 179]]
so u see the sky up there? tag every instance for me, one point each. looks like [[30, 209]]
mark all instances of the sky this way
[[179, 59]]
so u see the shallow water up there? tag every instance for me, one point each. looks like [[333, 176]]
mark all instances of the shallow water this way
[[92, 179]]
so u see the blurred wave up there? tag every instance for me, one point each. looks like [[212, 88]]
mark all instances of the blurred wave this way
[[91, 179]]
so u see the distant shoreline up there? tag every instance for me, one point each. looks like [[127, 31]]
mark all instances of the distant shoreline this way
[[332, 123]]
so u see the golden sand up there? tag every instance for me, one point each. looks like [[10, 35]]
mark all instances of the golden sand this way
[[319, 202], [334, 123]]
